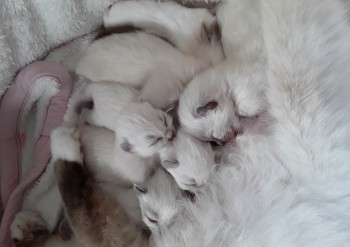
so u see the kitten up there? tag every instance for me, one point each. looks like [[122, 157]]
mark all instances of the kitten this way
[[211, 111], [193, 31], [211, 106], [131, 58], [143, 130], [190, 161], [165, 211]]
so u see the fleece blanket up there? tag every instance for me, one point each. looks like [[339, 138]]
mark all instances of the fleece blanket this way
[[30, 29]]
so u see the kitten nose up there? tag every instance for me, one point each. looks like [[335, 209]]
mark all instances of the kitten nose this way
[[170, 135]]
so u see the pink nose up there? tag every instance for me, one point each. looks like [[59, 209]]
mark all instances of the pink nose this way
[[169, 135]]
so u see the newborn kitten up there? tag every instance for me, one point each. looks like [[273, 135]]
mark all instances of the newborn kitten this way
[[160, 201], [190, 161], [108, 162], [164, 210], [210, 111], [143, 130], [131, 58], [193, 31]]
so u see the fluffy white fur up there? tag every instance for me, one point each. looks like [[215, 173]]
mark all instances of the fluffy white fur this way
[[237, 85], [109, 99], [144, 130], [190, 161], [290, 188], [193, 31], [109, 163], [130, 58]]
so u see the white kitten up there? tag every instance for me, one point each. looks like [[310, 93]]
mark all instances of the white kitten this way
[[190, 161], [143, 130], [236, 87], [193, 31], [131, 58], [160, 201], [137, 124]]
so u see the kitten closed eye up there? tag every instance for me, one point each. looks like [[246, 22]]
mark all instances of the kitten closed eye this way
[[202, 110]]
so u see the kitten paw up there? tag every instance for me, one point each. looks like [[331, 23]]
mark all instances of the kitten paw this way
[[65, 143], [27, 225]]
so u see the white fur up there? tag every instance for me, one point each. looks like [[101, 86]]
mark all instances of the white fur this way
[[194, 161], [238, 84], [144, 129], [290, 188], [130, 58], [209, 86], [183, 27], [109, 99], [109, 163], [65, 143]]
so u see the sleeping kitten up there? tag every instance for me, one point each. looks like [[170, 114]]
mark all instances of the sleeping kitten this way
[[210, 110], [143, 130], [211, 106], [190, 161], [165, 210], [193, 31], [131, 58]]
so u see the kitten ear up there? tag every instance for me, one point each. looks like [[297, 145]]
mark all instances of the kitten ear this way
[[211, 32], [190, 195], [167, 164], [200, 111], [126, 146], [171, 109]]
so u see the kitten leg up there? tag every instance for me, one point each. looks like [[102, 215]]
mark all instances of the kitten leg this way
[[30, 230], [26, 224]]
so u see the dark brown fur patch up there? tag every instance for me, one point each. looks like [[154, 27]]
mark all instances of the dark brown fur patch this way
[[104, 32]]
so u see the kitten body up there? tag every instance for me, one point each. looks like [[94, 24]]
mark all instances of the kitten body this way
[[131, 58], [193, 31]]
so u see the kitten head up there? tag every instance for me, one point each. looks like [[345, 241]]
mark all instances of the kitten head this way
[[161, 201], [144, 130], [207, 110], [190, 161]]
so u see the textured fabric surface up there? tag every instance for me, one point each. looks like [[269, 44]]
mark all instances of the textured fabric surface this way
[[30, 29]]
